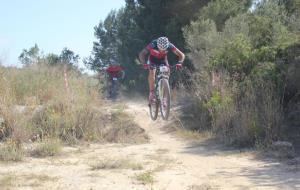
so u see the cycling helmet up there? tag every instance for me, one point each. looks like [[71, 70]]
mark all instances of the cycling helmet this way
[[113, 62], [163, 43]]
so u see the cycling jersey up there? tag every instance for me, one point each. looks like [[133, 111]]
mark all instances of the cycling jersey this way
[[114, 71], [156, 56]]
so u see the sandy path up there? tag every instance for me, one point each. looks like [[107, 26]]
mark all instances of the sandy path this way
[[208, 166], [171, 163]]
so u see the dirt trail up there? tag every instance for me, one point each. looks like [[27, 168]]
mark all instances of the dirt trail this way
[[166, 163]]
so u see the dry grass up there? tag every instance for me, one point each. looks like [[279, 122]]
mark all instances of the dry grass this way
[[159, 162], [202, 187], [12, 150], [120, 107], [181, 129], [52, 106], [38, 180], [238, 113], [123, 129], [8, 181], [145, 177], [260, 114], [162, 151], [49, 147], [36, 106], [47, 109], [11, 180], [108, 164], [194, 135]]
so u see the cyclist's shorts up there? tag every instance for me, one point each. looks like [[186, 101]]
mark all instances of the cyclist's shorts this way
[[156, 62]]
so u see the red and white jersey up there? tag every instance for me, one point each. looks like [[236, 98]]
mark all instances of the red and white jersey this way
[[157, 56]]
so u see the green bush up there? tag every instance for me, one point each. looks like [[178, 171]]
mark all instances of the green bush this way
[[217, 103], [235, 57]]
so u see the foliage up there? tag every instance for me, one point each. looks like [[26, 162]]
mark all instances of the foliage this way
[[33, 56], [201, 37], [124, 33], [49, 147], [246, 62], [235, 57], [291, 6], [30, 56], [52, 59], [221, 10], [38, 89], [36, 105], [12, 150], [69, 58], [217, 102], [242, 61], [145, 177], [104, 51]]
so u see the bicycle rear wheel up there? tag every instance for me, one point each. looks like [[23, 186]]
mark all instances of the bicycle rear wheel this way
[[165, 99], [153, 107], [114, 90]]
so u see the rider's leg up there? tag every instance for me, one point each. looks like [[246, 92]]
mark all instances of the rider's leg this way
[[109, 82], [151, 81], [113, 89]]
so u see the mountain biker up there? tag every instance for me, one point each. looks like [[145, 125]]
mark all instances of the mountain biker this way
[[158, 50], [114, 72]]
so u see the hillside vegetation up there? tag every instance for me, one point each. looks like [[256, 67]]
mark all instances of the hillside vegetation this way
[[242, 66], [45, 105], [241, 73]]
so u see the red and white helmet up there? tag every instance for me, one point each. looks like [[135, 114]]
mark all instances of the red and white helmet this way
[[163, 43]]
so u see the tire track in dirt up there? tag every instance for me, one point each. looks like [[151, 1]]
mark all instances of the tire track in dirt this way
[[165, 163], [207, 165]]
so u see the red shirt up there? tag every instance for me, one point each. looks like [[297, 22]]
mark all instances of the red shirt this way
[[113, 71], [157, 56]]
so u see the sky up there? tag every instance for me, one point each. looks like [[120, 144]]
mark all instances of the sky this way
[[51, 24]]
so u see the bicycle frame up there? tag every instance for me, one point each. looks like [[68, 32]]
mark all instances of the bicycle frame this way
[[162, 72], [113, 84], [162, 93]]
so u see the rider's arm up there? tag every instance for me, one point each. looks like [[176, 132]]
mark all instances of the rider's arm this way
[[180, 55], [142, 55], [177, 52], [121, 72]]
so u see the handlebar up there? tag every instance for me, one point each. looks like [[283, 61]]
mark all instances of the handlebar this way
[[157, 66]]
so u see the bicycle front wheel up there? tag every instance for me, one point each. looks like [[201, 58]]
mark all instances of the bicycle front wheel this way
[[165, 98], [153, 107], [114, 90]]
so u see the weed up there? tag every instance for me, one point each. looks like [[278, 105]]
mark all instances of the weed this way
[[108, 164], [145, 177], [12, 150], [49, 147], [33, 180]]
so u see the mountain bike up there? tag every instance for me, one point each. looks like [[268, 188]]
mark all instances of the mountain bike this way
[[162, 93], [114, 85]]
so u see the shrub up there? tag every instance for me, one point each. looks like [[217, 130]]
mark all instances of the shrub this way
[[108, 164], [145, 177], [12, 150], [48, 147], [50, 109], [234, 57]]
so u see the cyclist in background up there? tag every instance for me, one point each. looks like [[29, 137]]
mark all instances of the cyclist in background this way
[[115, 72], [158, 50]]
